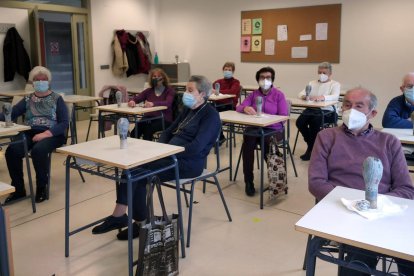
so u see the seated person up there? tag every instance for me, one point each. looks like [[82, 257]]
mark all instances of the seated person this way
[[228, 85], [196, 129], [399, 109], [159, 94], [309, 122], [339, 153], [274, 102], [46, 113]]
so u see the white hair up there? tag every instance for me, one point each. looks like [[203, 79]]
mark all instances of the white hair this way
[[40, 70]]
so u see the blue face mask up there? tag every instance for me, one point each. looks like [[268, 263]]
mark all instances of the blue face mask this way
[[189, 100], [227, 74], [41, 86], [409, 94]]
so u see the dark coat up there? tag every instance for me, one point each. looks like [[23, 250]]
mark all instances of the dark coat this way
[[15, 56]]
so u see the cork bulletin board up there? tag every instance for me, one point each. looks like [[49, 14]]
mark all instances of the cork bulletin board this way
[[291, 35]]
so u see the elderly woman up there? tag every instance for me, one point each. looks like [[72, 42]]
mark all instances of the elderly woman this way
[[46, 113], [159, 94], [274, 102], [196, 129]]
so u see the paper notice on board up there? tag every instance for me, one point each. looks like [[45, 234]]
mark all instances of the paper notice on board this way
[[299, 52], [257, 26], [245, 44], [282, 33], [269, 47], [256, 43], [321, 31], [246, 26], [305, 37]]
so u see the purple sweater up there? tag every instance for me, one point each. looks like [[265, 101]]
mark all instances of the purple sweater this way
[[165, 99], [337, 159], [273, 103]]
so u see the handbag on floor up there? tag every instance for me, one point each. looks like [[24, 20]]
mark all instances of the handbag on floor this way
[[276, 171], [158, 240]]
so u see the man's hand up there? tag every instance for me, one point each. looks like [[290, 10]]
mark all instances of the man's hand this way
[[148, 104], [249, 110], [41, 136], [132, 104], [318, 98]]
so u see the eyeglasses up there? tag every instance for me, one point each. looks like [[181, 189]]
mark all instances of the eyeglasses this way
[[265, 78]]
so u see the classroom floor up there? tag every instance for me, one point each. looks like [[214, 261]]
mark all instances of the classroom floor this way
[[257, 242]]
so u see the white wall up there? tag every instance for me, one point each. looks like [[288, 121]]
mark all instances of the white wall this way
[[376, 42], [20, 18], [108, 16]]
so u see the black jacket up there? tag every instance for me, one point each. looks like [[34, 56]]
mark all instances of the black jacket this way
[[15, 56]]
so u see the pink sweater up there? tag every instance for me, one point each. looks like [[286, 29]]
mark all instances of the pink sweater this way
[[337, 159]]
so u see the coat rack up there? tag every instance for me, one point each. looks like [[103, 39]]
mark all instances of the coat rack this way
[[4, 27]]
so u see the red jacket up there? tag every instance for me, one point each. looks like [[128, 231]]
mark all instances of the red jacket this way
[[229, 86]]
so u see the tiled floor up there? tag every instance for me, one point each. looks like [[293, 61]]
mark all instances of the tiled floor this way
[[257, 242]]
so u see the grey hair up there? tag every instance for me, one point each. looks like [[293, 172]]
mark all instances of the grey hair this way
[[202, 85], [373, 100], [325, 65], [37, 70]]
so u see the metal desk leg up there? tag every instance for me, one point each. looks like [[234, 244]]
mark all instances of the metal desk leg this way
[[180, 213], [231, 126], [311, 251], [130, 211], [74, 133], [262, 147], [67, 193], [4, 254], [29, 174], [101, 130]]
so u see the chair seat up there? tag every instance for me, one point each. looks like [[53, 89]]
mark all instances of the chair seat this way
[[204, 174]]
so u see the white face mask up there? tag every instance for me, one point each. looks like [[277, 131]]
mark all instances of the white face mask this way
[[265, 84], [354, 119], [323, 78]]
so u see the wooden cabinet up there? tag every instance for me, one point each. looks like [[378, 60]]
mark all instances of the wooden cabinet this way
[[177, 72]]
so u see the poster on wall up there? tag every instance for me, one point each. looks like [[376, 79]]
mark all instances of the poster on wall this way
[[321, 31], [245, 44], [282, 33], [257, 26], [246, 26], [256, 43], [269, 47]]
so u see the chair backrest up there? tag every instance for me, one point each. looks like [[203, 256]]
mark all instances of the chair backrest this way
[[16, 99], [217, 152], [177, 106]]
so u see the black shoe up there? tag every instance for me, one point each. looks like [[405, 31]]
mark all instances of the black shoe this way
[[123, 235], [111, 223], [222, 140], [41, 194], [306, 156], [250, 190], [15, 196]]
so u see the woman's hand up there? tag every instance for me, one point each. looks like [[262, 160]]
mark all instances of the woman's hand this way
[[148, 104], [249, 110], [132, 104], [41, 136]]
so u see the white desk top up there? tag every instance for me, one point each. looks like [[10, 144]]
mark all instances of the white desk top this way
[[107, 151], [214, 97], [250, 88], [330, 219], [405, 135], [6, 189], [235, 117], [4, 131], [15, 93], [136, 90], [79, 99], [302, 103], [125, 109]]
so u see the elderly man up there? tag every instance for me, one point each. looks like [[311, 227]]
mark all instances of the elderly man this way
[[339, 152], [322, 89], [398, 112], [196, 129]]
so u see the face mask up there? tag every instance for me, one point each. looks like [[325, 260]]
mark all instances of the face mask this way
[[265, 84], [41, 86], [323, 77], [154, 81], [227, 74], [354, 119], [409, 94], [189, 100]]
